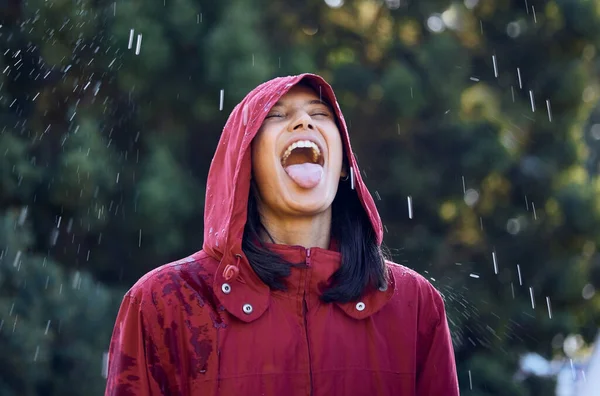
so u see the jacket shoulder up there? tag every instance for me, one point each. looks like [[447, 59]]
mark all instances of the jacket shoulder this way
[[198, 267], [414, 287]]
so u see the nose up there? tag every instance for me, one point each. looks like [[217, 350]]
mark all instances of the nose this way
[[301, 123]]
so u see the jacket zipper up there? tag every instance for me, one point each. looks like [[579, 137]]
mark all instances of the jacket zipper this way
[[305, 309]]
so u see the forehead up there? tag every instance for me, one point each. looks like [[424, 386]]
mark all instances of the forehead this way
[[301, 93]]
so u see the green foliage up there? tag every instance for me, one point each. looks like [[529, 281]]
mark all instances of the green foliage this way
[[53, 324]]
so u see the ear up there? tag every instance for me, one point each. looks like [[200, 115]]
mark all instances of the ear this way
[[344, 172]]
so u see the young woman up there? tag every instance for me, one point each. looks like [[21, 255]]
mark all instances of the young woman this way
[[291, 294]]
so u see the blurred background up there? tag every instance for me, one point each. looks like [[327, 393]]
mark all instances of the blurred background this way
[[476, 123]]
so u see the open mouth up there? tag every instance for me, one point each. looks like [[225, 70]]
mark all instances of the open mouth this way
[[303, 162], [302, 152]]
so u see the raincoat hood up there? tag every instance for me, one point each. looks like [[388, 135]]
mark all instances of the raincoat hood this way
[[230, 173]]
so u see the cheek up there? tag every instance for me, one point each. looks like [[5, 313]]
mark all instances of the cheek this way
[[261, 157]]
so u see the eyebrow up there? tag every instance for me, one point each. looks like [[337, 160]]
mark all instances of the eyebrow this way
[[310, 102]]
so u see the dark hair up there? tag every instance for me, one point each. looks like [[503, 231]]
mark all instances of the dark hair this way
[[363, 262]]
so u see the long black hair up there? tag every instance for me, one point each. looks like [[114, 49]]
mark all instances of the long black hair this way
[[363, 261]]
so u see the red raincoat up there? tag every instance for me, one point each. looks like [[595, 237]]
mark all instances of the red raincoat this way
[[207, 325]]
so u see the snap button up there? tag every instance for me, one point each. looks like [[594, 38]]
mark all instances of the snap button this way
[[360, 306], [226, 288], [383, 288], [247, 309]]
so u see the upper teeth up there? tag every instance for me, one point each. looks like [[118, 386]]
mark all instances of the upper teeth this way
[[302, 144]]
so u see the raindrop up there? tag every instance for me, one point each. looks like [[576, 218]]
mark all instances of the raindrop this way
[[495, 263], [221, 100], [519, 272], [130, 45], [37, 351], [474, 276], [47, 328], [519, 76], [105, 364], [139, 44], [17, 258], [54, 236], [140, 239], [495, 66], [532, 298], [549, 110], [532, 101], [410, 207], [470, 381], [549, 307]]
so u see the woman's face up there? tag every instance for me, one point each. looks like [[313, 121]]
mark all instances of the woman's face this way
[[297, 155]]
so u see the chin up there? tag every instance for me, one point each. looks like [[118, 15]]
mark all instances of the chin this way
[[313, 201]]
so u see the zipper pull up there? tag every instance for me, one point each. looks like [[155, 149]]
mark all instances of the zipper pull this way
[[308, 257]]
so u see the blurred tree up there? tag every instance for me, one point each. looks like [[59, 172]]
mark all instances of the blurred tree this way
[[53, 324]]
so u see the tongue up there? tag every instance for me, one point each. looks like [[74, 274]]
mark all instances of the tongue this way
[[305, 175]]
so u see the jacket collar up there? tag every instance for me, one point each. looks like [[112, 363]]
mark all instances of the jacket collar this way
[[244, 295]]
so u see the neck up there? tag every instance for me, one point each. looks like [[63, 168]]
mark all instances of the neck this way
[[311, 231]]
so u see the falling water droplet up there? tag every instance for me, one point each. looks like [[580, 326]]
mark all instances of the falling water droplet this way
[[470, 381], [549, 110], [532, 101], [532, 298], [138, 45], [105, 364], [495, 66], [221, 100], [549, 307], [410, 208], [23, 215], [519, 272], [130, 45], [519, 76], [495, 263]]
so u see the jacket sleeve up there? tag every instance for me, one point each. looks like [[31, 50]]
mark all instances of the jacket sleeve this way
[[436, 373], [134, 361]]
